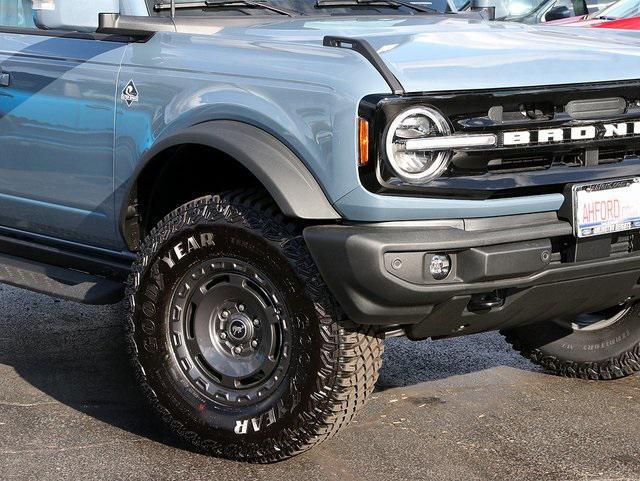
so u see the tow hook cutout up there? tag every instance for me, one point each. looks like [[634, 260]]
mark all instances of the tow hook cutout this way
[[486, 302]]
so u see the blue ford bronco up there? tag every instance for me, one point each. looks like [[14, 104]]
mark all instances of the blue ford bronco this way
[[275, 186]]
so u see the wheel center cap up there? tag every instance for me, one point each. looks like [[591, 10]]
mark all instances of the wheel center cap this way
[[240, 329]]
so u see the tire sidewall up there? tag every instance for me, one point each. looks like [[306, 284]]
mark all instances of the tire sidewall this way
[[287, 409], [555, 340]]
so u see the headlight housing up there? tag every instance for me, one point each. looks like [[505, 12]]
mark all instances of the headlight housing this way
[[409, 162]]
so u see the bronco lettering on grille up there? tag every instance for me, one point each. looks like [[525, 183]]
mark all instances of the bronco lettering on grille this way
[[571, 134]]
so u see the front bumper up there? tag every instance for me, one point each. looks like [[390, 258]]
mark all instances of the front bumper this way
[[506, 271]]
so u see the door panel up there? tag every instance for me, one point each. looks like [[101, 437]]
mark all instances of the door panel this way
[[57, 135]]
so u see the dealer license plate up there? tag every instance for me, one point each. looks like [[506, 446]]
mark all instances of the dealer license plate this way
[[606, 207]]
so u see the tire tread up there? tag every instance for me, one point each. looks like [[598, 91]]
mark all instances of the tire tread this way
[[618, 367], [349, 371]]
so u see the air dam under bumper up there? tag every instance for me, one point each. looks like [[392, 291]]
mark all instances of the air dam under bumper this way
[[505, 272]]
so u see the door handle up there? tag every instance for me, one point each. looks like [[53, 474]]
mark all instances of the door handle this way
[[5, 79]]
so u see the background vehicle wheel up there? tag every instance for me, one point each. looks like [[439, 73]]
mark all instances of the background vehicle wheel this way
[[599, 346], [237, 343]]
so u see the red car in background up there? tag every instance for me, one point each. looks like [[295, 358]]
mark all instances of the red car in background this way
[[624, 14], [624, 24]]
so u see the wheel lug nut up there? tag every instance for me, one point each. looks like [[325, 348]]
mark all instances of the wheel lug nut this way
[[241, 307], [237, 349], [223, 335], [254, 343], [256, 322], [225, 314]]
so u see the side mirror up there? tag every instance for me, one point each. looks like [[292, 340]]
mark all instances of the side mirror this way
[[558, 13], [68, 15]]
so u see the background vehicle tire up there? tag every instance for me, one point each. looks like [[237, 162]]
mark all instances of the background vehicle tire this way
[[600, 346], [237, 343]]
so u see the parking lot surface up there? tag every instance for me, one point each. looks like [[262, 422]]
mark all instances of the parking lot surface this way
[[463, 409]]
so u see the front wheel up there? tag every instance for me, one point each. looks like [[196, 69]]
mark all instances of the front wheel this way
[[598, 346], [236, 340]]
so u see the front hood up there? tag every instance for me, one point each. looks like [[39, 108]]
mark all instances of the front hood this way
[[442, 53], [489, 56]]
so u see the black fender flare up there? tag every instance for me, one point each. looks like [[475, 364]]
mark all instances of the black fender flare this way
[[276, 167]]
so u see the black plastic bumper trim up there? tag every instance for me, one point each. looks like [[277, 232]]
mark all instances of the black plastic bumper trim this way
[[351, 261], [537, 303]]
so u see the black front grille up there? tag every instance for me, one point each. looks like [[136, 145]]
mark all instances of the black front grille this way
[[511, 171], [514, 164], [524, 162], [616, 154]]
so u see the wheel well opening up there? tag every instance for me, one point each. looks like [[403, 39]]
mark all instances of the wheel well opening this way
[[176, 176]]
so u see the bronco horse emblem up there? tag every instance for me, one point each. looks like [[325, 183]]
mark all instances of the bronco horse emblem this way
[[238, 330]]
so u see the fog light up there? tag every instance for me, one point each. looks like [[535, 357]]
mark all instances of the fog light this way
[[440, 267]]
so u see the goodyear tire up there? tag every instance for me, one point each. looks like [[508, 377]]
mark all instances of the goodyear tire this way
[[599, 346], [236, 341]]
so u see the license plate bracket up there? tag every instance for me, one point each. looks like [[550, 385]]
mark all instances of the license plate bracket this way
[[601, 208]]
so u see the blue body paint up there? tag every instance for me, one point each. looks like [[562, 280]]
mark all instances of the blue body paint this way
[[70, 144]]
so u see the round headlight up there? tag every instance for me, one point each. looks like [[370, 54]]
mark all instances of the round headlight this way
[[417, 166]]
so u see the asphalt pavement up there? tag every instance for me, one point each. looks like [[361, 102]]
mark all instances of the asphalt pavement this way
[[464, 409]]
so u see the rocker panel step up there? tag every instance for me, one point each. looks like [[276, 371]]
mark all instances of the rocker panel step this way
[[59, 282]]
